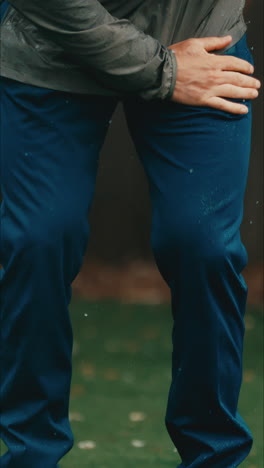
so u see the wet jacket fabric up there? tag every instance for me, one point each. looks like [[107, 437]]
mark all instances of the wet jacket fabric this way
[[108, 47]]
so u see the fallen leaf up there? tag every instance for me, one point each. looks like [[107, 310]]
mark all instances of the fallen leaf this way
[[77, 390], [248, 375], [87, 444], [74, 416], [137, 416], [87, 369], [138, 443], [111, 374], [150, 333], [249, 322], [131, 346]]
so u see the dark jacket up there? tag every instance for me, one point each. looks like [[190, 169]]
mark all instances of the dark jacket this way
[[111, 47]]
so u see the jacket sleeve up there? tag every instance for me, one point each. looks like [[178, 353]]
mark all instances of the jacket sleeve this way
[[114, 50]]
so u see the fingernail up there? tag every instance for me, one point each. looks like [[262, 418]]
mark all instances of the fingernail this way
[[244, 110]]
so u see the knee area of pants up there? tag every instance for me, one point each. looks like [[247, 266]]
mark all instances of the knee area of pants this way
[[41, 237], [197, 248]]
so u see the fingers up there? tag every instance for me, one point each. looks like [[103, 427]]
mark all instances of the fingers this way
[[229, 62], [235, 92], [227, 106], [238, 79], [212, 43], [206, 79], [225, 62]]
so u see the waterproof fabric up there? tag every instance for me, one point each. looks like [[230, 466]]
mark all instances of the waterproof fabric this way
[[112, 47], [196, 162]]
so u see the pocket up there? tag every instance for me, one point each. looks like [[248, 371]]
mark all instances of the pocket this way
[[241, 50]]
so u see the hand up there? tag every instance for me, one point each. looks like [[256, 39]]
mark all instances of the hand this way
[[204, 79]]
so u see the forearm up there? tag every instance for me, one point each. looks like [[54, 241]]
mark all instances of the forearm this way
[[120, 55]]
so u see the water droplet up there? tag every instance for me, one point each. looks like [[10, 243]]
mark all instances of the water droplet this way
[[86, 315], [26, 154], [191, 171], [110, 121], [250, 222], [252, 47], [67, 102], [257, 202]]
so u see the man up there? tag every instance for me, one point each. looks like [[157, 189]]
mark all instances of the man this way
[[187, 94]]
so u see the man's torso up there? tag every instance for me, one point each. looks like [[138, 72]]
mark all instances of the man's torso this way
[[28, 56]]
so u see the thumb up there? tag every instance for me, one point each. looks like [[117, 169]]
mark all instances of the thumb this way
[[212, 43]]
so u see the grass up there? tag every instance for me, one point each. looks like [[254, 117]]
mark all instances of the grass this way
[[122, 365], [122, 359]]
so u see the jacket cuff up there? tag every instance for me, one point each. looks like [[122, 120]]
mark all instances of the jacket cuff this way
[[165, 84], [171, 75]]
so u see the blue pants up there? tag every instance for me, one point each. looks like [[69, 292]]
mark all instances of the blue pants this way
[[196, 162]]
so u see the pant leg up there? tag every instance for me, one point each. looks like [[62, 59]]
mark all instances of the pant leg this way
[[196, 161], [50, 143], [3, 8]]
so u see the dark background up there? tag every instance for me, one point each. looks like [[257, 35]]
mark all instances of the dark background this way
[[120, 214]]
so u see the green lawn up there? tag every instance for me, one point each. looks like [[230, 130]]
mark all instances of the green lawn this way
[[122, 372], [122, 363]]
